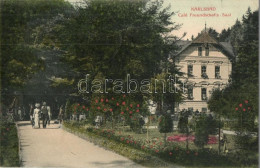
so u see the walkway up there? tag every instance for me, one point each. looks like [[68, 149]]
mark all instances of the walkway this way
[[54, 147]]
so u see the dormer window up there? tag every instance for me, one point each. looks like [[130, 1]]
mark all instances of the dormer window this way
[[200, 51], [207, 51]]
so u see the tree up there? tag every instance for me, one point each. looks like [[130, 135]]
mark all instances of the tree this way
[[165, 125], [20, 59], [244, 85], [205, 125]]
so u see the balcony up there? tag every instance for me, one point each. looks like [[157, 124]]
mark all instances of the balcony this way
[[204, 97], [217, 76], [204, 76], [190, 97]]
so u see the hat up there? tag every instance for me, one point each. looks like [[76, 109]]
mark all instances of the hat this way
[[37, 105], [44, 103]]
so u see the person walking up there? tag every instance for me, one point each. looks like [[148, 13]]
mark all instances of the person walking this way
[[19, 113], [36, 116], [44, 111], [61, 111], [31, 114]]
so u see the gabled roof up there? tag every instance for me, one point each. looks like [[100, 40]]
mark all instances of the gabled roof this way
[[204, 38]]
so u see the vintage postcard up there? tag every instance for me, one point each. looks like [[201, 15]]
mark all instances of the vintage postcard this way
[[129, 83]]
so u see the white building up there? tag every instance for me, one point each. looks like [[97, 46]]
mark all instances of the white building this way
[[206, 64]]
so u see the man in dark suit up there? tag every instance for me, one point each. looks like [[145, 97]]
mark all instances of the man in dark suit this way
[[45, 115]]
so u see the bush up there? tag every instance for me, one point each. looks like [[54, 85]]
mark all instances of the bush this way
[[165, 124], [9, 156], [183, 122], [205, 125]]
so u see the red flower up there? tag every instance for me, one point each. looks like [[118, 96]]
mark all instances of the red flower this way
[[78, 104], [130, 112], [137, 105], [248, 108], [127, 109], [117, 104], [102, 100], [127, 141], [170, 153], [96, 101], [236, 108], [122, 138], [87, 109], [106, 100], [246, 101], [111, 110], [122, 112], [244, 109], [98, 108], [131, 105], [83, 107], [196, 154], [137, 110], [124, 95], [123, 103], [112, 98], [157, 151], [105, 109], [135, 142], [240, 105]]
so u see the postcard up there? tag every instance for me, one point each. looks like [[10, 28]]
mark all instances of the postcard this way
[[129, 83]]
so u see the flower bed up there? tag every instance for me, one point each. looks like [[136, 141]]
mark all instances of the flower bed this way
[[139, 150], [9, 153], [182, 138]]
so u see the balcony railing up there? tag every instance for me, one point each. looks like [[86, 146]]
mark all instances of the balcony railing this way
[[204, 76]]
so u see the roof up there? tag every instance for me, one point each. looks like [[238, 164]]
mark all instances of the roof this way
[[203, 38]]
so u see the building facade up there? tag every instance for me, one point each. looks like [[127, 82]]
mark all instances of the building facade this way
[[206, 64]]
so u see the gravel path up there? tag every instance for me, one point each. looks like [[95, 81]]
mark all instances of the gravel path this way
[[54, 147]]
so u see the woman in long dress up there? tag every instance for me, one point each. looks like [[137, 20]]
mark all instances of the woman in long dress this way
[[36, 116]]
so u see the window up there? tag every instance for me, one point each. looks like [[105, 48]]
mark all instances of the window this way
[[217, 72], [203, 94], [204, 72], [207, 51], [190, 93], [200, 51], [190, 70]]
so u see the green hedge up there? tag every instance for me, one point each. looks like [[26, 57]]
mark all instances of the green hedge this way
[[153, 152], [9, 154]]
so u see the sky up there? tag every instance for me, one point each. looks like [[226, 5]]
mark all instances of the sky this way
[[192, 25]]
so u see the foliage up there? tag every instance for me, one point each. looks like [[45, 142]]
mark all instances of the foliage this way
[[204, 126], [152, 151], [9, 151], [19, 55], [183, 122], [244, 85], [165, 123]]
